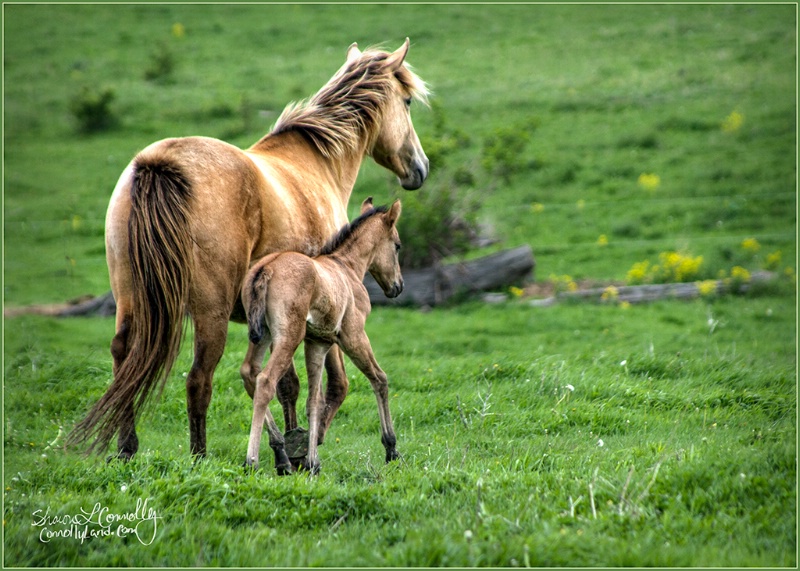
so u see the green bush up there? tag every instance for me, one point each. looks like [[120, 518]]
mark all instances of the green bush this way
[[92, 109]]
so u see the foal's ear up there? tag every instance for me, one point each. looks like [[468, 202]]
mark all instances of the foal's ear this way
[[396, 59], [353, 52], [393, 214], [366, 205]]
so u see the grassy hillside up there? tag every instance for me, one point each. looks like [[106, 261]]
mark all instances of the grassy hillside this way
[[596, 96], [577, 435]]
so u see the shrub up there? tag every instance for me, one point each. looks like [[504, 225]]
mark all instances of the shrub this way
[[92, 109], [161, 66], [503, 152]]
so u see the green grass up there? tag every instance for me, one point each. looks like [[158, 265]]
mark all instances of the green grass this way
[[700, 425], [694, 403]]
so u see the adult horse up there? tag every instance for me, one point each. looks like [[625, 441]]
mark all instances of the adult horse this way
[[188, 216]]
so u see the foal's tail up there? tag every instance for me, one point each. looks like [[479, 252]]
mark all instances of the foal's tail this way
[[256, 290], [160, 252]]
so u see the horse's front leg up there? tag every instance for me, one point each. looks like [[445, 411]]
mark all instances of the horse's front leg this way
[[288, 391], [315, 358], [335, 390]]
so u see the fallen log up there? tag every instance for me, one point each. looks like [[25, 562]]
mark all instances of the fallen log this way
[[436, 285], [649, 292]]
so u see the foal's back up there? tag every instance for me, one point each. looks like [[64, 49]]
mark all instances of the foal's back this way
[[296, 289]]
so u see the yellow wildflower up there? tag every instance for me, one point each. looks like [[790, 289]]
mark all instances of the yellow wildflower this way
[[602, 240], [773, 260], [638, 273], [679, 267], [611, 293], [751, 245], [649, 181], [707, 287], [740, 274], [733, 122], [537, 207], [178, 30], [562, 283], [624, 304], [515, 291]]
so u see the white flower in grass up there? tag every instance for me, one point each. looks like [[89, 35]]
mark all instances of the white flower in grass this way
[[570, 388], [600, 443]]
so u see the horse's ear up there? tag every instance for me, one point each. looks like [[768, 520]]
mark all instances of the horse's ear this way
[[396, 59], [393, 214], [366, 205], [353, 52]]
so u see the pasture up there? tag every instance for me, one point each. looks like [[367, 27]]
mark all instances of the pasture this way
[[578, 435]]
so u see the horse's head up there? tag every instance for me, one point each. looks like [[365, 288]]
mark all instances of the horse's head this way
[[385, 265], [396, 145]]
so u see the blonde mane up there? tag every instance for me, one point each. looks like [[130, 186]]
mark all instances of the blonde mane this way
[[347, 110]]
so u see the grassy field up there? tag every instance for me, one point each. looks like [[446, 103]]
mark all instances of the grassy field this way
[[579, 434]]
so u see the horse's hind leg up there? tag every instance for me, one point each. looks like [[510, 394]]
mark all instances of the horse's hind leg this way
[[210, 334], [127, 442]]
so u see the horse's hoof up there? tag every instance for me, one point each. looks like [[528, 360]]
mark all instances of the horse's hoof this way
[[392, 455], [284, 469], [122, 456]]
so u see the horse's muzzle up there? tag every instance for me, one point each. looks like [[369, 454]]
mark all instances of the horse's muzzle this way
[[417, 175]]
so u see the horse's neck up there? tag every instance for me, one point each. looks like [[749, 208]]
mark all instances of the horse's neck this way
[[341, 172]]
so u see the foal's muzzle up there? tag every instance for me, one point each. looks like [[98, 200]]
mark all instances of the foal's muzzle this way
[[395, 290]]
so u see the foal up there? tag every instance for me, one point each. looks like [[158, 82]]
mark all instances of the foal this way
[[290, 297]]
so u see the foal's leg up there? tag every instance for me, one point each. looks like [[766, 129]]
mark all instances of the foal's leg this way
[[315, 357], [360, 352], [266, 383], [288, 386], [251, 366]]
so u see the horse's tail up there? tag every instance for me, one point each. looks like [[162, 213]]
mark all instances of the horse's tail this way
[[160, 252], [257, 307]]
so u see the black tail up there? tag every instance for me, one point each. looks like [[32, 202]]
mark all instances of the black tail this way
[[160, 254], [256, 289]]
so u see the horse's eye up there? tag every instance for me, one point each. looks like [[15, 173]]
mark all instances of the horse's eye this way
[[397, 247], [408, 101]]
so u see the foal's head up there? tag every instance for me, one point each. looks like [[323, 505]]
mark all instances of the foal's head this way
[[385, 265]]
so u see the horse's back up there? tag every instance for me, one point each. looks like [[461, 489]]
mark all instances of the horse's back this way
[[222, 197]]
